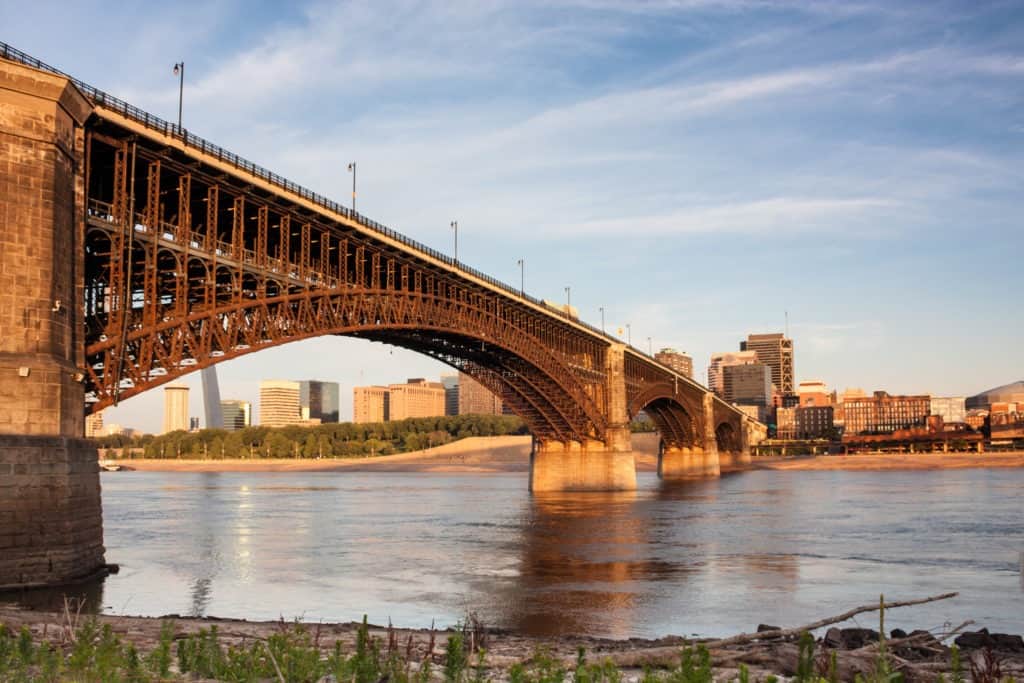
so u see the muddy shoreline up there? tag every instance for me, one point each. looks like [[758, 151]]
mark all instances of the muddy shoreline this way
[[920, 655]]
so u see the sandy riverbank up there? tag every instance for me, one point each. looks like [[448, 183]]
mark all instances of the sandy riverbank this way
[[512, 454]]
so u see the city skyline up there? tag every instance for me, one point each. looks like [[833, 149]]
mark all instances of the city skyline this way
[[832, 161]]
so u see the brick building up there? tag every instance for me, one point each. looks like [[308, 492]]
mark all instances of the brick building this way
[[883, 413], [680, 362], [814, 422], [415, 398], [370, 404]]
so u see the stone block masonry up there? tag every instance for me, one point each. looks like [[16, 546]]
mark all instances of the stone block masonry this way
[[51, 528]]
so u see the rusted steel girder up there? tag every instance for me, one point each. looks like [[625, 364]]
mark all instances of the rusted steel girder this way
[[171, 290], [187, 265]]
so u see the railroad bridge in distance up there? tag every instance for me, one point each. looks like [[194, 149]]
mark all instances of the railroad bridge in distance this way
[[133, 252]]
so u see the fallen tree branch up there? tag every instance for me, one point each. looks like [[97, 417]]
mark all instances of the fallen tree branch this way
[[787, 632], [912, 640], [669, 656]]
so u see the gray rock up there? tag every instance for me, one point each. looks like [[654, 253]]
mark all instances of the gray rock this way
[[854, 638], [970, 640], [833, 638], [1005, 642]]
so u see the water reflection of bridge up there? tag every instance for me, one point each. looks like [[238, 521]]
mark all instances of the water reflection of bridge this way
[[596, 562]]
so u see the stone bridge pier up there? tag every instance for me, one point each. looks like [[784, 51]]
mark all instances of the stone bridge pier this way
[[594, 465], [50, 518], [723, 446]]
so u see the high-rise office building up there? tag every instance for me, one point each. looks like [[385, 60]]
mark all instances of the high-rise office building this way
[[476, 399], [415, 398], [451, 394], [716, 380], [237, 414], [775, 351], [279, 403], [175, 408], [94, 425], [749, 384], [319, 400], [370, 404], [680, 362]]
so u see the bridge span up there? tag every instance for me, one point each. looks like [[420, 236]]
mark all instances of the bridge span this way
[[133, 252]]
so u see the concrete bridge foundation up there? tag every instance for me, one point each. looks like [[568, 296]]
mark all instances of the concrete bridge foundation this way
[[734, 461], [576, 467], [50, 519], [687, 463]]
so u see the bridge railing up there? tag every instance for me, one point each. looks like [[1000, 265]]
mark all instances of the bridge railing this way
[[155, 123]]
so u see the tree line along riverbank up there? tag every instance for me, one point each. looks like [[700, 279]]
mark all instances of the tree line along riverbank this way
[[332, 440]]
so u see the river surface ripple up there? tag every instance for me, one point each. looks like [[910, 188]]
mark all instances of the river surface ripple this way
[[712, 557]]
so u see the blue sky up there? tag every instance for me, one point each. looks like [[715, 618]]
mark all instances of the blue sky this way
[[697, 168]]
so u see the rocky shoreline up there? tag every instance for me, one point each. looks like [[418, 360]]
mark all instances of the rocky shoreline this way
[[836, 654]]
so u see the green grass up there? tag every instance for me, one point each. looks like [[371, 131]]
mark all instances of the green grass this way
[[293, 654]]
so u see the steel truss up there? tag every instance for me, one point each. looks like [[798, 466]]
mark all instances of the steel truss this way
[[187, 266]]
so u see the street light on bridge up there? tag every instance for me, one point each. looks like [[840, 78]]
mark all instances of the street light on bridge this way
[[629, 335], [455, 227], [179, 71], [352, 170], [568, 297], [602, 317], [522, 276], [650, 349]]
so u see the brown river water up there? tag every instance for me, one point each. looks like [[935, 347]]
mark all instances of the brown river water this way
[[711, 558]]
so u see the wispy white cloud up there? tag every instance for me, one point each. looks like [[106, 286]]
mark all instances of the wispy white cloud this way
[[776, 216]]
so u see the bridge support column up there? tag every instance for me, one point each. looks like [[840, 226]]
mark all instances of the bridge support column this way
[[698, 461], [50, 519], [736, 461], [687, 463], [606, 465]]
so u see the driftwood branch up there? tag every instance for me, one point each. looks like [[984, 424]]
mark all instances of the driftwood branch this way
[[669, 656], [788, 632], [915, 640]]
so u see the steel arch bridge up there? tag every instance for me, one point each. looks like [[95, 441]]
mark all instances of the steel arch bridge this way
[[133, 252], [192, 256]]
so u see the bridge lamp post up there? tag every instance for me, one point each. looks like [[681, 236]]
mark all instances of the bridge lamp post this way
[[352, 170], [568, 297], [650, 349], [179, 71], [522, 276], [602, 317], [629, 335], [455, 229]]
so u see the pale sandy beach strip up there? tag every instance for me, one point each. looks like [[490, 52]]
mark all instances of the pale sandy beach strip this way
[[512, 454]]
